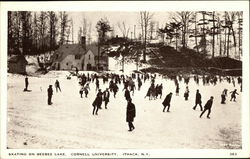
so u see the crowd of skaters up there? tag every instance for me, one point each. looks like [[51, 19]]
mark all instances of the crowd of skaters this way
[[154, 90]]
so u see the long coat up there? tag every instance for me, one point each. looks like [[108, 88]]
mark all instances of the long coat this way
[[50, 91], [209, 104], [127, 94], [198, 98], [106, 96], [167, 100], [98, 100], [130, 112]]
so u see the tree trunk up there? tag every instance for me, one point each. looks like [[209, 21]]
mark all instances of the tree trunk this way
[[228, 42], [213, 37], [225, 42], [195, 32]]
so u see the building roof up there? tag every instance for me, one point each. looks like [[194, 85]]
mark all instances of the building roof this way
[[75, 49], [69, 49], [16, 58]]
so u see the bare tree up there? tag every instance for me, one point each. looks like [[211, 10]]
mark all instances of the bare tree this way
[[184, 18], [240, 21], [63, 16], [124, 29], [145, 19], [42, 27], [151, 29], [52, 29]]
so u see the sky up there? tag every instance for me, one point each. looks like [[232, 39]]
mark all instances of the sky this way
[[130, 19]]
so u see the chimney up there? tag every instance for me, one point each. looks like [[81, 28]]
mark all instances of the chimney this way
[[83, 42]]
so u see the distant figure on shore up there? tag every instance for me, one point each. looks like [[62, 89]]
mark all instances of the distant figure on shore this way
[[130, 115], [208, 107], [50, 93], [57, 85], [233, 95], [26, 84], [166, 102], [97, 102], [81, 91], [223, 98], [198, 100]]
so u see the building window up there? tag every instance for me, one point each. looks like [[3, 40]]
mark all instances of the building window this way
[[67, 63], [77, 56], [89, 57]]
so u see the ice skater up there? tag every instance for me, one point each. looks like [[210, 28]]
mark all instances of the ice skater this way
[[97, 103], [198, 100], [50, 93], [208, 107], [86, 90], [26, 84], [106, 96], [233, 95], [177, 89], [130, 115], [81, 91], [115, 89], [223, 98], [97, 84], [186, 94], [57, 85], [127, 94], [166, 102]]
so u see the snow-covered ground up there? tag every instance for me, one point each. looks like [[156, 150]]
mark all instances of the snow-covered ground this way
[[69, 122]]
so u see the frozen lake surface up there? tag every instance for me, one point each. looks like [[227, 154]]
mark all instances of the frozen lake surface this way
[[69, 122]]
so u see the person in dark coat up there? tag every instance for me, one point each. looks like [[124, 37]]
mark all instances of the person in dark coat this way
[[127, 94], [50, 93], [139, 84], [97, 102], [208, 107], [160, 90], [81, 91], [177, 89], [26, 83], [233, 95], [115, 89], [106, 96], [57, 85], [197, 100], [166, 102], [130, 115], [186, 94], [223, 98], [86, 90], [97, 84]]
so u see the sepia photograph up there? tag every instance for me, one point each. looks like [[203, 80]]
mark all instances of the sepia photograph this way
[[130, 82]]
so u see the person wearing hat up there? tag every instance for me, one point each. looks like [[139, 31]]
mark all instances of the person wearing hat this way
[[208, 107], [50, 93], [130, 115], [166, 102], [198, 100]]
